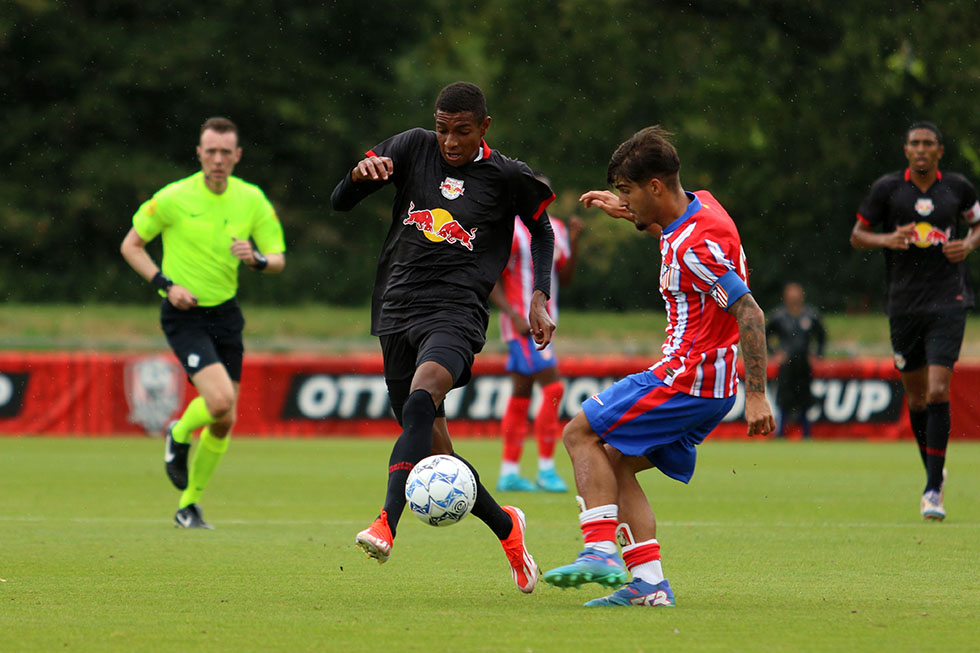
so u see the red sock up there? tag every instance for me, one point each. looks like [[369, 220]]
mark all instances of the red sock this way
[[513, 428], [640, 553], [599, 530], [546, 423]]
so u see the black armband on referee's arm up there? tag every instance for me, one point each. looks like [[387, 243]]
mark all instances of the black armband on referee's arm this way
[[161, 281], [260, 261]]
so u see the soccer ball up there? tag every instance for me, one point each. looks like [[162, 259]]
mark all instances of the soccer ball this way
[[440, 490]]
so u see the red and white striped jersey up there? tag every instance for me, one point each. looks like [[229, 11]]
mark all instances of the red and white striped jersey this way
[[702, 273], [517, 278]]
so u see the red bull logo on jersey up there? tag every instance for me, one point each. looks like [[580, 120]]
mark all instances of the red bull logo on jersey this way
[[439, 226], [924, 206], [927, 235], [451, 188]]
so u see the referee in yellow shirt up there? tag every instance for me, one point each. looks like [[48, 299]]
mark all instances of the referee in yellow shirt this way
[[206, 222]]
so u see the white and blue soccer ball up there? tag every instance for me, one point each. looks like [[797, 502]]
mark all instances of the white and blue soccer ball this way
[[440, 490]]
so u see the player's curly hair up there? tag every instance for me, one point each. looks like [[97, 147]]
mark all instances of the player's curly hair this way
[[647, 154], [463, 96]]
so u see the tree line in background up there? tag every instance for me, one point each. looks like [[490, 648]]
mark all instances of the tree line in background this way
[[786, 110]]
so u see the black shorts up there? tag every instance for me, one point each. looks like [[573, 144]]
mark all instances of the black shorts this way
[[405, 351], [204, 335], [922, 339]]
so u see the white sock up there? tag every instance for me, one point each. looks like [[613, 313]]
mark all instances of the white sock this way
[[608, 511], [546, 464], [651, 572], [509, 468]]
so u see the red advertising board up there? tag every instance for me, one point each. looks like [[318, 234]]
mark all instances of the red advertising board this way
[[284, 395]]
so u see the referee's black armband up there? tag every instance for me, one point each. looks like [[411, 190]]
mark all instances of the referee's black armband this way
[[161, 281], [261, 262]]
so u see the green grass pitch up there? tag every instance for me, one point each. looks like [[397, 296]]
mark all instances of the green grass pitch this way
[[774, 546]]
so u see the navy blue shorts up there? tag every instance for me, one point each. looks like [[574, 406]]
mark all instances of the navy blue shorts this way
[[642, 416], [525, 359]]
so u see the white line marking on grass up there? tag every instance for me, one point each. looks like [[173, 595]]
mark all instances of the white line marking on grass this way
[[351, 522]]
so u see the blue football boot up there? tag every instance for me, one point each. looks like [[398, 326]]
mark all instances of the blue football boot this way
[[591, 566], [639, 592], [550, 481], [514, 483]]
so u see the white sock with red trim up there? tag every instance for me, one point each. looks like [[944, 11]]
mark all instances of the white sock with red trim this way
[[643, 561], [599, 527]]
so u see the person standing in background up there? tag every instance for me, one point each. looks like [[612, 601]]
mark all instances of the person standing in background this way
[[796, 328]]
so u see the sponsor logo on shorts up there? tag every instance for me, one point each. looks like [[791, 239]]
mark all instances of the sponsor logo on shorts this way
[[193, 360], [899, 361], [599, 401]]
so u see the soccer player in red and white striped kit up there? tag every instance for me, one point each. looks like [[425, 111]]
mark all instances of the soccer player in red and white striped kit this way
[[657, 417], [527, 363]]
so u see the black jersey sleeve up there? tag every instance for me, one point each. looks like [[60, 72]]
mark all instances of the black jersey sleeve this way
[[874, 208], [531, 197], [400, 148], [968, 208]]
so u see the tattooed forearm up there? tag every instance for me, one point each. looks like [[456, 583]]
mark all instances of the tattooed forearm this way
[[752, 336]]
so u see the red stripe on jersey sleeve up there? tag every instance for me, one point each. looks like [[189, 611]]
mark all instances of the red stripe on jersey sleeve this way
[[863, 220], [370, 153], [543, 206]]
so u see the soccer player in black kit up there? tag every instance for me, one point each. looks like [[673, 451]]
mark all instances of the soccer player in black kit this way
[[450, 238], [919, 212]]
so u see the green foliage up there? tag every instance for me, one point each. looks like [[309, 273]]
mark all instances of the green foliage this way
[[786, 111]]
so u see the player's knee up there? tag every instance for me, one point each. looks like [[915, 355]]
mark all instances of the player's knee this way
[[577, 433], [937, 395], [221, 405]]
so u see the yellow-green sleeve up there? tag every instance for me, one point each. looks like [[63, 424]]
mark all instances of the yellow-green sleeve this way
[[149, 219], [267, 230]]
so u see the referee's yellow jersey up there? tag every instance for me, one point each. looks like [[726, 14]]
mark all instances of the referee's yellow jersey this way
[[198, 227]]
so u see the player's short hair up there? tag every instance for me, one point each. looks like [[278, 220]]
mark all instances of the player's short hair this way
[[647, 154], [543, 178], [463, 96], [924, 124], [219, 124]]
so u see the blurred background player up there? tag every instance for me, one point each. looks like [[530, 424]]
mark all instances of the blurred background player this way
[[450, 238], [526, 363], [206, 221], [799, 334], [919, 212], [656, 418]]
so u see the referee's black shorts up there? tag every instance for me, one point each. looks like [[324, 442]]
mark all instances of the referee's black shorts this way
[[921, 339], [438, 341], [204, 335]]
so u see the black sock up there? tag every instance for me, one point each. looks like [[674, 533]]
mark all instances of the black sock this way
[[920, 422], [414, 444], [487, 509], [937, 437]]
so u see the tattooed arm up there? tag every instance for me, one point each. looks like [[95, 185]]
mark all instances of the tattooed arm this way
[[752, 337]]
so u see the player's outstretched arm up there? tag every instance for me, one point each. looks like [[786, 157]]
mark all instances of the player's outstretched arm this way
[[370, 174], [752, 339], [608, 201]]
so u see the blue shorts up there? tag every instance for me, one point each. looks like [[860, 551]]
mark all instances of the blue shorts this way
[[642, 416], [526, 360]]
